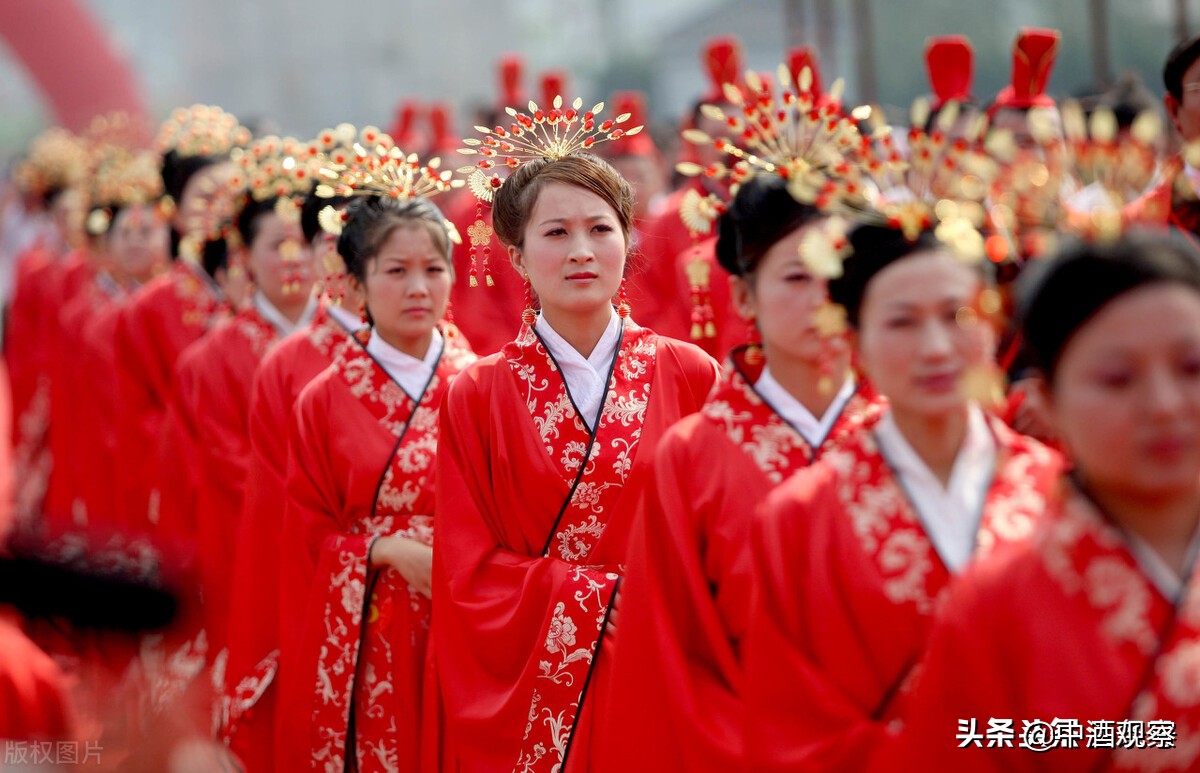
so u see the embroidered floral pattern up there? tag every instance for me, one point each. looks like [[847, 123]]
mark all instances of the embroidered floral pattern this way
[[755, 427], [347, 677], [567, 439], [576, 623], [891, 533]]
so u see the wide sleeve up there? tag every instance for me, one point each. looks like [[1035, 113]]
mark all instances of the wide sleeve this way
[[797, 716], [254, 639], [676, 680], [971, 671], [512, 630]]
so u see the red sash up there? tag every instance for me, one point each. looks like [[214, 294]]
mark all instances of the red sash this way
[[595, 465]]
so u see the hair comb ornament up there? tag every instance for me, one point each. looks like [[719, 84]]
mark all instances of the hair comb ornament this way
[[929, 179], [371, 164], [801, 135], [201, 130], [57, 159], [538, 134], [279, 168], [121, 178], [796, 133]]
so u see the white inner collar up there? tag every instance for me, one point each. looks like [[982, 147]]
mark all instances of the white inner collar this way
[[813, 430], [586, 377], [410, 373], [950, 514], [348, 320], [273, 315], [1166, 579]]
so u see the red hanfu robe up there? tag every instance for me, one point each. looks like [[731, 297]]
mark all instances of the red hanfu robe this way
[[248, 708], [51, 287], [847, 582], [1066, 627], [676, 676], [532, 539], [161, 320], [100, 419], [219, 371], [361, 466], [81, 389]]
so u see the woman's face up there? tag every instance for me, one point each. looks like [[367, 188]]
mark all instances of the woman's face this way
[[407, 286], [138, 242], [1126, 393], [574, 250], [918, 336], [278, 259], [781, 298], [207, 201]]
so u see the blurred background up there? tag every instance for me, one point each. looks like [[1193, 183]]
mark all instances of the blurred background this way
[[297, 66]]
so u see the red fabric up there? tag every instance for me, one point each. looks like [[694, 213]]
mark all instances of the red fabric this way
[[1034, 52], [33, 689], [502, 598], [360, 467], [77, 395], [658, 288], [723, 64], [24, 319], [950, 64], [53, 284], [221, 365], [160, 321], [846, 584], [254, 631], [99, 463], [1066, 626], [676, 671], [489, 317]]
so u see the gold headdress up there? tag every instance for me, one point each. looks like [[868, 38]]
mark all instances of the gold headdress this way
[[57, 160], [545, 134], [201, 130], [538, 134], [372, 165], [1080, 180], [121, 178], [931, 180], [801, 136]]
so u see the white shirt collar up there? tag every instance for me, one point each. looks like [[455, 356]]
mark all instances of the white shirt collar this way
[[1166, 579], [273, 315], [949, 514], [813, 430], [586, 377], [346, 319], [410, 373]]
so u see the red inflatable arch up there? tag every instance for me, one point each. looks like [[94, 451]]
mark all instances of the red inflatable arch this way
[[69, 57]]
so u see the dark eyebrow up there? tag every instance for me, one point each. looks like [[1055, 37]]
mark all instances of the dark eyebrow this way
[[589, 218]]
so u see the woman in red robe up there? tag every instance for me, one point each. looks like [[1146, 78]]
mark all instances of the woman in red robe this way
[[547, 448], [250, 700], [360, 503], [676, 678], [1077, 650], [129, 237], [176, 309], [215, 374], [851, 557]]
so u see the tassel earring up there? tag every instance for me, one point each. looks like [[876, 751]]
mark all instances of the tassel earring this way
[[529, 315], [623, 308], [754, 350]]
